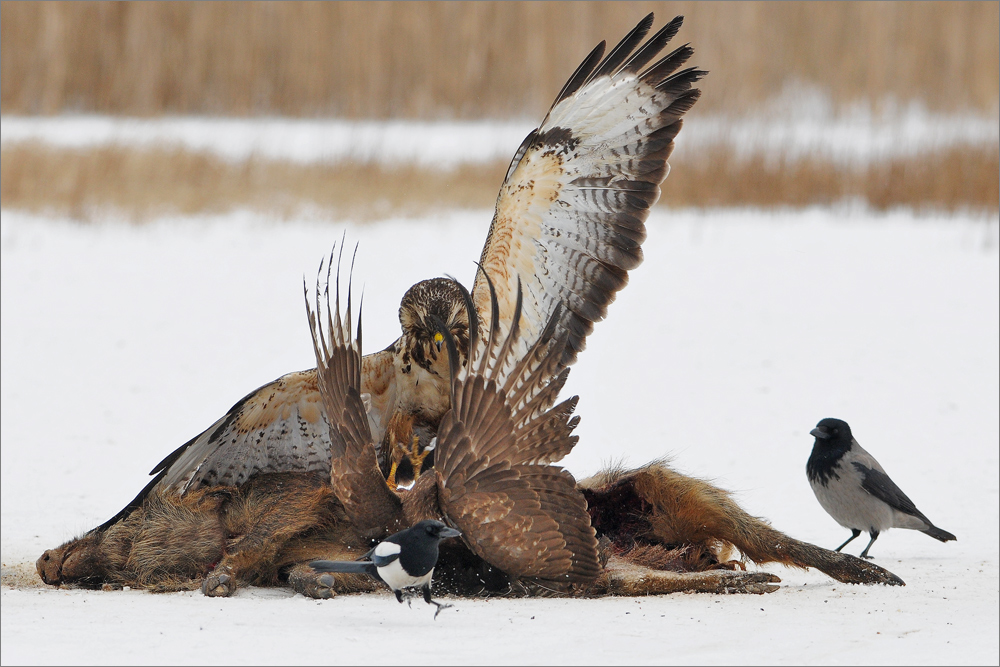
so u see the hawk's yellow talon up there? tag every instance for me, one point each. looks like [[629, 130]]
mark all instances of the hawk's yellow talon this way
[[391, 479], [417, 457], [396, 453]]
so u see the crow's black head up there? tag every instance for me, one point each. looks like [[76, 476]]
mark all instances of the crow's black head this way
[[832, 432], [833, 440]]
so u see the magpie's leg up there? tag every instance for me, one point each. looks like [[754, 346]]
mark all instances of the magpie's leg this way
[[864, 554], [428, 600], [399, 595], [854, 533]]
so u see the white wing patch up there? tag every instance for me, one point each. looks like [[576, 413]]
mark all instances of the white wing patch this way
[[387, 549]]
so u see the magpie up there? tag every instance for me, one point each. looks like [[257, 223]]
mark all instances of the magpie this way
[[403, 560], [853, 488]]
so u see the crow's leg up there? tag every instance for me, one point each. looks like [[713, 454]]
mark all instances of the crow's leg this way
[[864, 554], [854, 533]]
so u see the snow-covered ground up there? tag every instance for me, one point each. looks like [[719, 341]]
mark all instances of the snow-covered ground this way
[[739, 332], [802, 124]]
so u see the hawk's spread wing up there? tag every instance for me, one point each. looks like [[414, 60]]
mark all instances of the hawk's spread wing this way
[[280, 427], [525, 519], [374, 510], [570, 216]]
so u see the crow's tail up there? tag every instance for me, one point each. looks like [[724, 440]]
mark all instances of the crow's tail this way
[[939, 534]]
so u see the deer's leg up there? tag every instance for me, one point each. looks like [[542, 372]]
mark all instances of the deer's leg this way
[[625, 578], [260, 520], [675, 510]]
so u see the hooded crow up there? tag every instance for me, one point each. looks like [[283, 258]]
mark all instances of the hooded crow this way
[[403, 560], [854, 489]]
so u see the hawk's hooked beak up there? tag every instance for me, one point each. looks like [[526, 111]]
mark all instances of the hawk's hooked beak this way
[[819, 433], [438, 340]]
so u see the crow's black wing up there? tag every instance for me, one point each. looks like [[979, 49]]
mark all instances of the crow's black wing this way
[[882, 487]]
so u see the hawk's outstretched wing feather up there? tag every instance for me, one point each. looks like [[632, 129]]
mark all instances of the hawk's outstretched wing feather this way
[[279, 427], [570, 216], [373, 508], [521, 517], [569, 220]]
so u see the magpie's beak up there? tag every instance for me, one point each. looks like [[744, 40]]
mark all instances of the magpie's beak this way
[[449, 532], [819, 433]]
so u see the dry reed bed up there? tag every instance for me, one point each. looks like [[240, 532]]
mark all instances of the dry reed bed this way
[[445, 60], [143, 183]]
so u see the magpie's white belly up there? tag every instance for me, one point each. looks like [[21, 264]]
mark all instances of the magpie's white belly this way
[[396, 577]]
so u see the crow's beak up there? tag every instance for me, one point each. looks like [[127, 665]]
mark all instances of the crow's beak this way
[[449, 532], [819, 433]]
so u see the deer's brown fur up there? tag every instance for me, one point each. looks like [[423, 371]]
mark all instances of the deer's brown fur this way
[[254, 534], [660, 532], [656, 505]]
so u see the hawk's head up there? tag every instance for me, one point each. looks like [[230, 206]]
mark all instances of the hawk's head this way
[[422, 344]]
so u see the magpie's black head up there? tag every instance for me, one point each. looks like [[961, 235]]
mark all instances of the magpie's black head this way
[[833, 440], [435, 530]]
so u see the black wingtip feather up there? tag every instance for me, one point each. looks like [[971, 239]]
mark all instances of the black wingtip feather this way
[[681, 81], [581, 73], [654, 45], [621, 52], [684, 102], [667, 65]]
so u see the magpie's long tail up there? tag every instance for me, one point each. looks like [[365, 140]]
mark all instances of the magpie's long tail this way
[[938, 534], [349, 566]]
